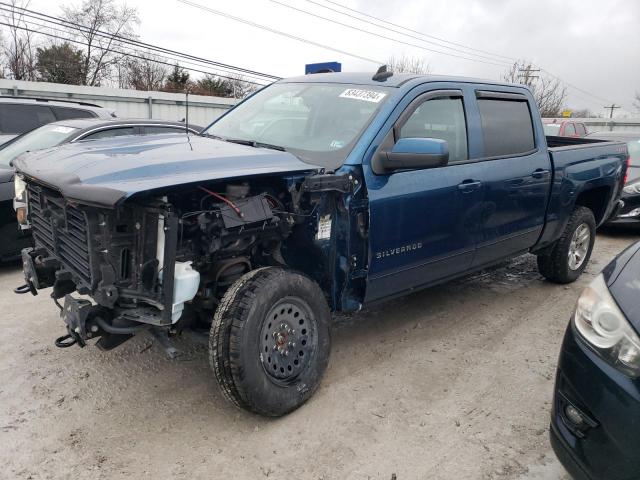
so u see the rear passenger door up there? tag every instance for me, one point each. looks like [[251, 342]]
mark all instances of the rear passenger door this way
[[515, 175]]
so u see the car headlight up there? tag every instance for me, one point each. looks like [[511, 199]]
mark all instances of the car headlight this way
[[20, 188], [632, 188], [603, 326]]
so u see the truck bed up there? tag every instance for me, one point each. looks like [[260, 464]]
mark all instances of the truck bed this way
[[581, 164], [554, 142]]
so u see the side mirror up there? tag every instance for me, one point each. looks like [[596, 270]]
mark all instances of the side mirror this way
[[416, 153]]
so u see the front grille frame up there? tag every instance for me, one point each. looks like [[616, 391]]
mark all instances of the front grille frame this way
[[63, 230]]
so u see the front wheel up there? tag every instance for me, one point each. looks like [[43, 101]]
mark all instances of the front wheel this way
[[270, 341], [569, 256]]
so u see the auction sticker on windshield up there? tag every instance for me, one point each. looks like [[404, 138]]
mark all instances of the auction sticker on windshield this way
[[63, 129], [366, 95]]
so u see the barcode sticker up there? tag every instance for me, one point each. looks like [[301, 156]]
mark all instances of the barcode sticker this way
[[366, 95], [324, 228]]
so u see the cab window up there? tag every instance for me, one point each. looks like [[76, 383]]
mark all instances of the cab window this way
[[507, 128], [441, 118]]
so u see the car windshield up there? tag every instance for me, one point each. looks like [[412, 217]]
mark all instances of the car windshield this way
[[552, 129], [43, 137], [318, 122]]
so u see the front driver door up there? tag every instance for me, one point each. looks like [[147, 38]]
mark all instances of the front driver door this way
[[423, 223]]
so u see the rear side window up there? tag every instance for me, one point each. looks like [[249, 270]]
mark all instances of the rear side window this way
[[19, 118], [160, 130], [441, 118], [112, 132], [64, 113], [569, 130], [506, 127]]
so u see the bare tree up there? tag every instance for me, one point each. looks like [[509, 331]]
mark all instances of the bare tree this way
[[584, 113], [549, 93], [18, 49], [147, 73], [405, 64], [94, 19], [636, 101], [239, 86]]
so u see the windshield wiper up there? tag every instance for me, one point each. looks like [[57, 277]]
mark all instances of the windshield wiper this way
[[253, 143]]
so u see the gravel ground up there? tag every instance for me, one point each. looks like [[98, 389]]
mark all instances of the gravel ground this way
[[453, 382]]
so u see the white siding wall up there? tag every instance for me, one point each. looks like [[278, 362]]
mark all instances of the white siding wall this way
[[126, 103]]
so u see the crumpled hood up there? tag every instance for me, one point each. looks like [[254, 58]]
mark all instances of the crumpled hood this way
[[107, 171]]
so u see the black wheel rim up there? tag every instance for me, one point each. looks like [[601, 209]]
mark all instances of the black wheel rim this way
[[288, 339]]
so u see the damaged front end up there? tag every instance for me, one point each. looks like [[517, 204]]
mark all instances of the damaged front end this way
[[162, 261], [123, 258]]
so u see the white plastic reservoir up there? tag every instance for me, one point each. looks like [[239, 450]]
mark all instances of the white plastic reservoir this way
[[185, 286]]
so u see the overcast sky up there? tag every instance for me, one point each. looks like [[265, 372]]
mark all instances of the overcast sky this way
[[593, 45]]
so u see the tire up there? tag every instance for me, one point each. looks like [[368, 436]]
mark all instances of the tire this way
[[270, 341], [556, 265]]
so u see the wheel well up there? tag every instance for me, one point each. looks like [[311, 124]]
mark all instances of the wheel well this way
[[595, 199]]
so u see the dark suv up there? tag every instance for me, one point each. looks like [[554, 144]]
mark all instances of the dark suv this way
[[19, 115]]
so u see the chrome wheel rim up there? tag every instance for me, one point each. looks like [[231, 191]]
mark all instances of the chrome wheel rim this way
[[579, 246]]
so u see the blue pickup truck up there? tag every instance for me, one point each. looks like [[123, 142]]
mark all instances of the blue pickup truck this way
[[317, 194]]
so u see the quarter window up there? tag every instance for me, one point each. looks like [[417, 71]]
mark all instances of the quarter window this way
[[441, 118], [63, 113], [507, 128], [161, 130], [112, 132], [20, 118]]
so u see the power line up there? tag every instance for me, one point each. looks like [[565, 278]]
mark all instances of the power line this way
[[386, 23], [122, 53], [119, 43], [414, 31], [278, 32], [139, 43], [184, 63], [369, 32], [599, 98]]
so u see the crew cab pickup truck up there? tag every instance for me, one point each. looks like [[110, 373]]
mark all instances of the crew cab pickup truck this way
[[319, 194]]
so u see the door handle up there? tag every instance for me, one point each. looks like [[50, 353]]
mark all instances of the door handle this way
[[469, 186], [540, 173]]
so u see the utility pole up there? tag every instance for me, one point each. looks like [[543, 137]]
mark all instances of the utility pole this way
[[611, 108], [527, 74]]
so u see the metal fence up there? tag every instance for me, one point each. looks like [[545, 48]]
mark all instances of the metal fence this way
[[126, 103]]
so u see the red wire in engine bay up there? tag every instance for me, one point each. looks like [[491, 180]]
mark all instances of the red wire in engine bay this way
[[225, 200]]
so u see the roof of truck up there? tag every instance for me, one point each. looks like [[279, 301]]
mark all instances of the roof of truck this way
[[396, 80]]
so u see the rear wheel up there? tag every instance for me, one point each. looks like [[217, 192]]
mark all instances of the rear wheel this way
[[270, 341], [570, 254]]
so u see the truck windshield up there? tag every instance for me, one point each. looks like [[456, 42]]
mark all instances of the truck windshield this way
[[44, 137], [317, 122]]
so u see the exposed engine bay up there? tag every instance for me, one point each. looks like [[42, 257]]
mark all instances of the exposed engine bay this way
[[164, 260]]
